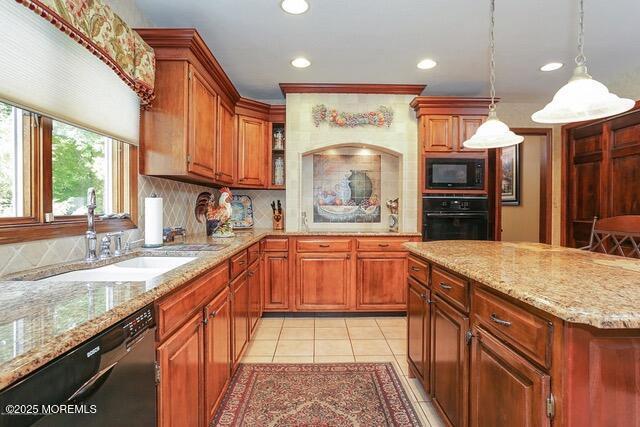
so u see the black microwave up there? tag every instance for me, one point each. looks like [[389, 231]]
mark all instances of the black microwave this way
[[454, 173]]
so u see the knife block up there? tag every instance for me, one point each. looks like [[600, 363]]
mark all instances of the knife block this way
[[278, 221]]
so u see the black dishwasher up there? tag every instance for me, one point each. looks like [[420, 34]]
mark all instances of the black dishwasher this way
[[109, 380]]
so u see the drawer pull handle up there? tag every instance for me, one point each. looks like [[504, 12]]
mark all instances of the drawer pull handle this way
[[445, 286], [499, 321], [383, 245], [324, 245], [243, 262], [415, 269], [213, 313]]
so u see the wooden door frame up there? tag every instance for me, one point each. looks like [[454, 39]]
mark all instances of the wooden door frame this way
[[546, 179]]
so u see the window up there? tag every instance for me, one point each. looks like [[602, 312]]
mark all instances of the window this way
[[47, 166]]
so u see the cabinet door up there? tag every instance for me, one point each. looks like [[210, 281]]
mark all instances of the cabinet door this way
[[202, 125], [418, 322], [240, 307], [252, 152], [381, 282], [225, 145], [180, 358], [323, 281], [498, 372], [450, 362], [438, 133], [255, 296], [217, 354], [276, 281], [467, 127]]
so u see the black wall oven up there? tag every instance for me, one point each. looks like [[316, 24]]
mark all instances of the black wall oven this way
[[454, 173], [455, 218]]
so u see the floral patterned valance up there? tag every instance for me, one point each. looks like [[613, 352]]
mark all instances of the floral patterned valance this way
[[94, 25], [383, 116]]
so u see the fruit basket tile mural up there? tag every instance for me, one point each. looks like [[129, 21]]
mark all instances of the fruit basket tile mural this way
[[382, 117], [346, 188]]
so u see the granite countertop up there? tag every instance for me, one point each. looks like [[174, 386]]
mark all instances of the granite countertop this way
[[42, 320], [576, 286]]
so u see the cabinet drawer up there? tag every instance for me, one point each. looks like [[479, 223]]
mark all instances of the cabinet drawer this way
[[238, 264], [451, 288], [253, 253], [276, 245], [179, 306], [419, 270], [323, 245], [377, 245], [524, 330]]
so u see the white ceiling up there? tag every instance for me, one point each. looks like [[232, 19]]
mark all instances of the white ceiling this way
[[380, 41]]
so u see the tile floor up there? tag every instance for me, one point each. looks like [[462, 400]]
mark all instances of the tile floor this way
[[340, 339]]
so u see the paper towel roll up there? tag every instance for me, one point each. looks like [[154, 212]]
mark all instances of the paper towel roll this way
[[153, 221]]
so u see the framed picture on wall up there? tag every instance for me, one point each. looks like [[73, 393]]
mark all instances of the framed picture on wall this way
[[511, 175]]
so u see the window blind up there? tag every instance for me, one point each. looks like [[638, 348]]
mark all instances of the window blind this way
[[43, 70]]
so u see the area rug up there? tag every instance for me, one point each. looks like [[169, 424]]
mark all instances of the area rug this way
[[341, 394]]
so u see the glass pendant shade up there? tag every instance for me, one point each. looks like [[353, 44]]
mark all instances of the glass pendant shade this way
[[583, 98], [492, 134]]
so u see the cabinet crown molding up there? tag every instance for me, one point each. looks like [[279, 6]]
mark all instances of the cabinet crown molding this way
[[424, 105], [365, 88]]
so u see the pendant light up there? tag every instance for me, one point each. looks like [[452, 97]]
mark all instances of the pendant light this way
[[492, 133], [583, 98]]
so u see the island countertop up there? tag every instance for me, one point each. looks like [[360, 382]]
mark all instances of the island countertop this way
[[574, 285], [54, 317]]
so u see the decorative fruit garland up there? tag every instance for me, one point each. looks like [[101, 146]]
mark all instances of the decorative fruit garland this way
[[383, 116]]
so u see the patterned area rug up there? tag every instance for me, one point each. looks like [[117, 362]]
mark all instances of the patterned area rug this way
[[341, 394]]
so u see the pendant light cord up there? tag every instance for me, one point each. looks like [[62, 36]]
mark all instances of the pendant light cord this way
[[581, 59], [492, 60]]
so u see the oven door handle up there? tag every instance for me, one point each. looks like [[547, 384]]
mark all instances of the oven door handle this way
[[456, 214]]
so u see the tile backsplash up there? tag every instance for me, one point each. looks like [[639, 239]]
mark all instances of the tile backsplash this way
[[179, 202]]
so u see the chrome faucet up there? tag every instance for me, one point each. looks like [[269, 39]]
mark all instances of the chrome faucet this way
[[90, 236]]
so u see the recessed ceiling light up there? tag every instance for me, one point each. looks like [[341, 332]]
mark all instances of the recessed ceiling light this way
[[294, 7], [427, 64], [551, 66], [301, 62]]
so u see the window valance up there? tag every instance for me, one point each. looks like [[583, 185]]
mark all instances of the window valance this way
[[96, 27]]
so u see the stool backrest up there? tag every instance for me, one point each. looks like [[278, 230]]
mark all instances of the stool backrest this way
[[616, 235]]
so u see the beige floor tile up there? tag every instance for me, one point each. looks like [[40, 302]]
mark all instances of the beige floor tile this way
[[295, 348], [365, 333], [264, 333], [288, 334], [431, 414], [331, 333], [333, 348], [256, 359], [261, 348], [398, 347], [375, 359], [333, 359], [402, 362], [417, 390], [299, 322], [361, 321], [370, 347], [390, 322], [293, 359], [394, 332], [271, 322], [330, 322]]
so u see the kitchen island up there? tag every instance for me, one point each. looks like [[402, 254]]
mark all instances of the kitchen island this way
[[525, 333]]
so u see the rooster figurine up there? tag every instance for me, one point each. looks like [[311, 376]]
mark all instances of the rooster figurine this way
[[217, 215]]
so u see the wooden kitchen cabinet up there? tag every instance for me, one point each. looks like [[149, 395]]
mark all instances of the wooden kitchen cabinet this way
[[467, 127], [450, 362], [255, 296], [323, 281], [276, 280], [498, 374], [225, 149], [217, 353], [240, 315], [419, 333], [203, 105], [437, 133], [381, 281], [180, 359], [253, 143]]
